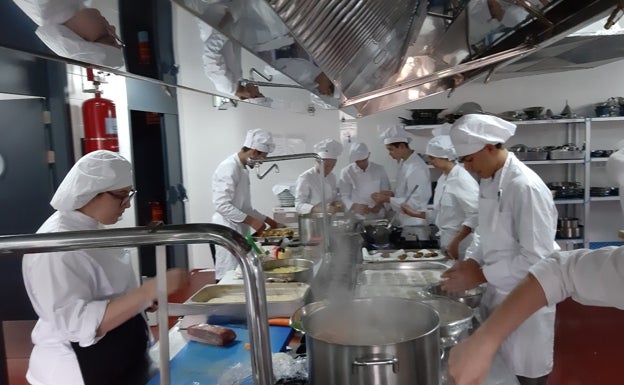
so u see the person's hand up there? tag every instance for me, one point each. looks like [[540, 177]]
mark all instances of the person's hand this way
[[360, 208], [257, 225], [452, 250], [381, 197], [470, 361], [407, 209], [272, 223], [375, 209], [464, 275]]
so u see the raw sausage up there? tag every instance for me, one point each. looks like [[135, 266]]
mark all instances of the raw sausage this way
[[211, 334]]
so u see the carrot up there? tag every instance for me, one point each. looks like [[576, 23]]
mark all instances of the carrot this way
[[279, 322]]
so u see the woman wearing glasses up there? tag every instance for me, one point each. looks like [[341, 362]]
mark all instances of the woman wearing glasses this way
[[91, 329]]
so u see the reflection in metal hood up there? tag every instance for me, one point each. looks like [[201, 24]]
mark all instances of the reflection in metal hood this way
[[383, 54]]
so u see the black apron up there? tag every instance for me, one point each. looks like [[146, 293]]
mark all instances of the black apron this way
[[120, 358]]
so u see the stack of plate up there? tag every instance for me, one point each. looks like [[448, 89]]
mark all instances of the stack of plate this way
[[286, 199]]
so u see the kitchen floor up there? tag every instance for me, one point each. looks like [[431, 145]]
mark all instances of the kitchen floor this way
[[588, 347]]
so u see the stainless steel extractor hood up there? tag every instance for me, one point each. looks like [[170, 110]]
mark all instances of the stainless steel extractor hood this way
[[438, 49], [381, 54]]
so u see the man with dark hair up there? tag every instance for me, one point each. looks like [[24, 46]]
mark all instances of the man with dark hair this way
[[231, 195], [412, 175]]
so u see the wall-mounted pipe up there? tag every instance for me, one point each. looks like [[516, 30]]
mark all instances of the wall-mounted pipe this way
[[253, 162], [255, 292], [262, 175]]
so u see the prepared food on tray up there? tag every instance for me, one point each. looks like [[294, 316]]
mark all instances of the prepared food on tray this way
[[277, 233], [401, 255], [286, 269]]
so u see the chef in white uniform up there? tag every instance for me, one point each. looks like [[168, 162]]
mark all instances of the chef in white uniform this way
[[455, 200], [590, 277], [359, 180], [90, 328], [413, 173], [72, 30], [309, 184], [231, 195], [517, 224]]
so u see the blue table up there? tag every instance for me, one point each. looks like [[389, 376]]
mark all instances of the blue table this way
[[200, 364]]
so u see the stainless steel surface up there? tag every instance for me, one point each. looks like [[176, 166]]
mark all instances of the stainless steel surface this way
[[455, 319], [415, 274], [311, 228], [380, 57], [234, 242], [471, 298], [372, 341], [305, 275]]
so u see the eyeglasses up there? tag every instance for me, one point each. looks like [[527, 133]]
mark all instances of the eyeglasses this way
[[123, 198]]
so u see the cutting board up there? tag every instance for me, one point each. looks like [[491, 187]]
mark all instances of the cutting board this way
[[200, 364]]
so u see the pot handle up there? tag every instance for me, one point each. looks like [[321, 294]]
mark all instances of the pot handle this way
[[376, 361]]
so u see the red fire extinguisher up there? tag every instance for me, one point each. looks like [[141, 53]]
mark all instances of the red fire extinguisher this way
[[100, 122]]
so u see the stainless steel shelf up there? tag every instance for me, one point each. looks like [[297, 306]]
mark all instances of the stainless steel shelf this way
[[548, 121], [603, 199], [577, 201], [599, 159], [609, 119], [557, 161]]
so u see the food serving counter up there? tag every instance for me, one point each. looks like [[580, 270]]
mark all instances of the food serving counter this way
[[193, 363]]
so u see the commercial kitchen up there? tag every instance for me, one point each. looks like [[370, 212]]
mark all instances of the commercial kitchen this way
[[176, 86]]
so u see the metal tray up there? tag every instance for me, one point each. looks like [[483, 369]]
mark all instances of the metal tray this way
[[401, 255], [399, 274], [282, 299], [566, 154], [409, 292]]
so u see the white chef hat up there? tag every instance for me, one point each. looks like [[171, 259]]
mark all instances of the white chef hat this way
[[66, 43], [358, 151], [328, 149], [472, 132], [260, 140], [94, 173], [441, 147], [395, 134]]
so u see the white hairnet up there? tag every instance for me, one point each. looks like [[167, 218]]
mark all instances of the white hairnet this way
[[64, 42], [472, 132], [94, 173], [260, 140], [395, 134], [441, 147], [358, 151], [328, 149]]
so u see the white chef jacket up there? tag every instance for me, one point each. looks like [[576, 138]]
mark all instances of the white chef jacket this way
[[50, 15], [231, 197], [308, 190], [357, 185], [221, 58], [517, 225], [590, 277], [412, 171], [455, 204], [69, 291]]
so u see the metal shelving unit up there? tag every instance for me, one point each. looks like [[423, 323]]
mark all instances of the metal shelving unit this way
[[573, 135]]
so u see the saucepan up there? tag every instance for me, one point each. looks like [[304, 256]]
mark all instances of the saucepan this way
[[379, 233]]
